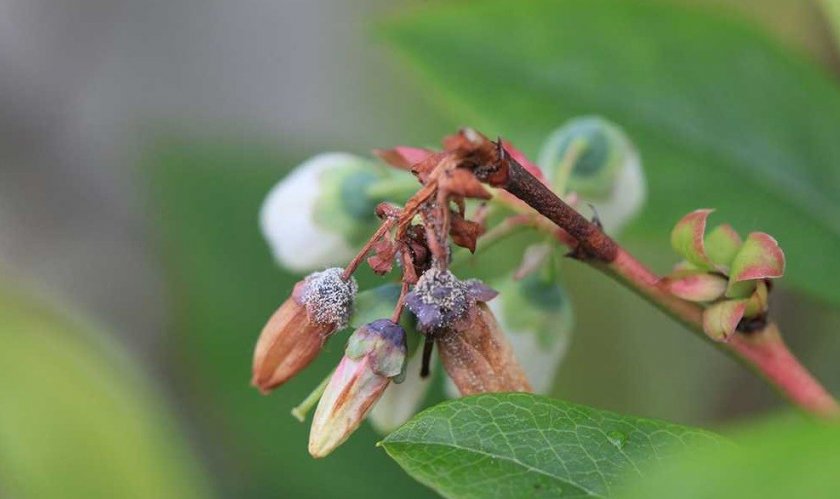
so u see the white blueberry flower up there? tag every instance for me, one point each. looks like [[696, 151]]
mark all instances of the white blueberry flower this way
[[594, 158], [303, 217]]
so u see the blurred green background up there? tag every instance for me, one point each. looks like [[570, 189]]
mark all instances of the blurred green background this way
[[139, 139]]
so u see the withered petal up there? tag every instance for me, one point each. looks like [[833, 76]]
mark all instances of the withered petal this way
[[479, 358]]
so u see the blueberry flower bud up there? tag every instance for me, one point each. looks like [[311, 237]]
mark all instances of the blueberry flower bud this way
[[375, 356], [439, 299], [605, 169], [320, 305], [478, 357], [316, 214]]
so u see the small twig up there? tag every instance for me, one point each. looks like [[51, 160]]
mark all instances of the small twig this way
[[592, 242], [762, 350], [360, 256], [398, 309]]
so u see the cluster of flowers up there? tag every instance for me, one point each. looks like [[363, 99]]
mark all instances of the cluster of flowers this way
[[317, 217]]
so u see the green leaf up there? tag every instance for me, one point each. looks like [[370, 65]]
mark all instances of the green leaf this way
[[780, 459], [722, 115], [522, 445], [78, 418]]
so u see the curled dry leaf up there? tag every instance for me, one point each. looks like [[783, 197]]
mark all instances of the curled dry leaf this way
[[462, 182], [382, 260], [465, 233], [402, 156]]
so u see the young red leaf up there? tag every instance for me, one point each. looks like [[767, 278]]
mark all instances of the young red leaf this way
[[687, 238], [695, 285], [721, 319]]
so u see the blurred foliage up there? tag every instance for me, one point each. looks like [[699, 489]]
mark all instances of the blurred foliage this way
[[78, 419], [722, 115], [226, 286], [778, 459], [831, 10]]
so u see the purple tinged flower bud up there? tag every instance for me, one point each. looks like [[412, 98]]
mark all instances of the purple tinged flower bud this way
[[375, 356], [439, 299], [320, 305]]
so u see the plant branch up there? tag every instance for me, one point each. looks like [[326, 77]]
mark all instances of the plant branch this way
[[762, 350]]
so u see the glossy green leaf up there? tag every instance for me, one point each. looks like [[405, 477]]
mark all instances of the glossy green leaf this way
[[522, 445], [721, 114], [77, 417], [777, 460]]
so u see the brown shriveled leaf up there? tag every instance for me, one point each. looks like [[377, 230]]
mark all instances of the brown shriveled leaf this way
[[403, 157], [466, 140], [425, 167], [462, 182], [465, 233], [382, 260], [415, 239]]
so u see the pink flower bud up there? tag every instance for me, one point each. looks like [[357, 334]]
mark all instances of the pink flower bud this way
[[375, 355], [320, 305]]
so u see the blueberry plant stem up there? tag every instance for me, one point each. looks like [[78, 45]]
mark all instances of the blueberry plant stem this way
[[762, 350]]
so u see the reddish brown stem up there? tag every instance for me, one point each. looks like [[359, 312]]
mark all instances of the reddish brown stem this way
[[592, 241], [398, 308], [360, 256], [763, 350]]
